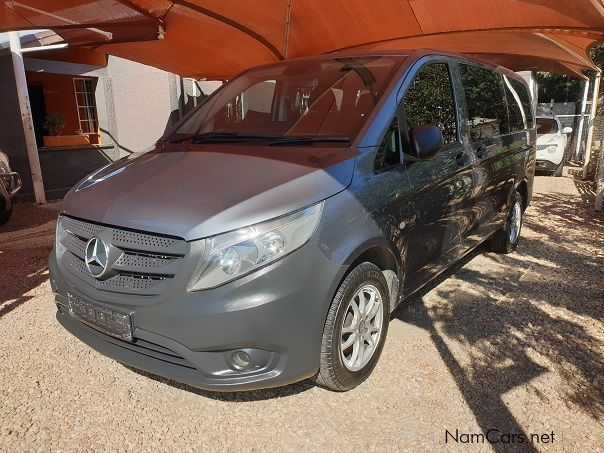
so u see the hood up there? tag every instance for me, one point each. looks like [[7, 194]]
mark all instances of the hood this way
[[548, 139], [195, 191]]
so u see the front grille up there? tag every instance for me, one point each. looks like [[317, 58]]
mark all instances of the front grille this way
[[147, 261], [142, 263], [78, 267], [142, 241]]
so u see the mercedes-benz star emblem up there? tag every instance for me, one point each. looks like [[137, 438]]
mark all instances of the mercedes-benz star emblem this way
[[96, 257]]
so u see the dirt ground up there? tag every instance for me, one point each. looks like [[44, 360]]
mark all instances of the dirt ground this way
[[506, 344]]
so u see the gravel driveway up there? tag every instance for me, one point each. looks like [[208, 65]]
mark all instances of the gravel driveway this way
[[513, 343]]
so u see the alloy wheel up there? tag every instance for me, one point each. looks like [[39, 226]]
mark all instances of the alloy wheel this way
[[361, 328], [515, 222]]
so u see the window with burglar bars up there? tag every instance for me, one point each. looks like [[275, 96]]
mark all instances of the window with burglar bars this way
[[84, 92]]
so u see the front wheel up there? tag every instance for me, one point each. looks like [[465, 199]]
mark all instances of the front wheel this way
[[355, 329], [506, 239]]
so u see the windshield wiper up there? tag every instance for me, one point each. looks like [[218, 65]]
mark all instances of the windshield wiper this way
[[286, 141], [224, 136]]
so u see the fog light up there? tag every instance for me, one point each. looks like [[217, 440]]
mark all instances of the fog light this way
[[241, 359]]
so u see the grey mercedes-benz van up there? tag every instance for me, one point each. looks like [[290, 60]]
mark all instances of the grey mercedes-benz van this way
[[268, 236]]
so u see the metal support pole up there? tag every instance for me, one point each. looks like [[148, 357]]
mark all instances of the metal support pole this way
[[26, 119], [195, 94], [181, 97], [582, 120], [592, 117]]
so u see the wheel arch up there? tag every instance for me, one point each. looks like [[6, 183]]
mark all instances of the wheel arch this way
[[522, 189], [383, 256]]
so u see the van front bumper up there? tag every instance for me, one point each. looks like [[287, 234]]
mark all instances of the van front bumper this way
[[275, 315], [546, 165]]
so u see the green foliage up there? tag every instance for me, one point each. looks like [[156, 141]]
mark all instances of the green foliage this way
[[54, 123], [560, 88], [429, 100], [597, 55]]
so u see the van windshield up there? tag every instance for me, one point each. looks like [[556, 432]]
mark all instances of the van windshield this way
[[325, 99], [546, 126]]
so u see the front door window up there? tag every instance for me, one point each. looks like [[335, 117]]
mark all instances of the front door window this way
[[429, 100]]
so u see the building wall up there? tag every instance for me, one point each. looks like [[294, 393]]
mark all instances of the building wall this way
[[137, 104], [12, 141]]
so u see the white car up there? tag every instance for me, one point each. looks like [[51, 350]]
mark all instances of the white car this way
[[551, 145], [10, 184]]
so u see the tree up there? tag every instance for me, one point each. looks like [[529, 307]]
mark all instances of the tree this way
[[560, 88], [597, 55]]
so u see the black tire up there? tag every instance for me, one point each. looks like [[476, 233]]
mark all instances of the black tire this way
[[500, 242], [4, 213], [333, 373]]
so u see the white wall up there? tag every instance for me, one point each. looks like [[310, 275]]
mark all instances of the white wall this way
[[139, 98], [137, 103]]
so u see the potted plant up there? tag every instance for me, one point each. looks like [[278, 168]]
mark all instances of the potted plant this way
[[54, 124]]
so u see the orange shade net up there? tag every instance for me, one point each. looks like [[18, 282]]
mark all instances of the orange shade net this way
[[217, 39]]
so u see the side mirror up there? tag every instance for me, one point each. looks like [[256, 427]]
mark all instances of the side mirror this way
[[426, 140], [567, 130]]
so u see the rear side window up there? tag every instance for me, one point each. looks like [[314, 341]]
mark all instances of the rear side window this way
[[525, 100], [485, 99], [516, 117], [429, 100]]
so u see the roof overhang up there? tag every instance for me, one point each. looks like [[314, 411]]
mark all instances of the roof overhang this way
[[216, 39]]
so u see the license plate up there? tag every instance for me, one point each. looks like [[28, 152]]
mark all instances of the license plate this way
[[112, 322]]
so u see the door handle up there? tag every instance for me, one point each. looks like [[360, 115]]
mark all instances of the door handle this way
[[461, 159]]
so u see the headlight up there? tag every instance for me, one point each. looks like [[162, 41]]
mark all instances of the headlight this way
[[236, 253], [552, 149]]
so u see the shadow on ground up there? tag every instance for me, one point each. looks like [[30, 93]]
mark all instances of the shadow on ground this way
[[29, 215], [235, 397], [25, 243], [515, 316]]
